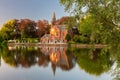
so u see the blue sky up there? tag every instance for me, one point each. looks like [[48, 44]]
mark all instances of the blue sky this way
[[31, 9]]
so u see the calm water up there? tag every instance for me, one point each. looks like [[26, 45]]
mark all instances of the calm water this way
[[57, 63]]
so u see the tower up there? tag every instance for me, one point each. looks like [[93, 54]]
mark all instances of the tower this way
[[53, 18]]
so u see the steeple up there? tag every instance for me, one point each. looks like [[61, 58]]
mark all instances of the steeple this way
[[53, 18], [54, 68]]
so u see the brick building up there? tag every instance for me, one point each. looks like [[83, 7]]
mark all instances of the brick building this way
[[57, 33]]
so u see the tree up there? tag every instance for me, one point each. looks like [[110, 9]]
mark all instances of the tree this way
[[27, 28], [106, 13], [69, 21], [43, 27], [7, 29], [1, 39], [68, 38], [88, 28]]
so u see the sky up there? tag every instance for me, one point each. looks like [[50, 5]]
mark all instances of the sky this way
[[31, 9]]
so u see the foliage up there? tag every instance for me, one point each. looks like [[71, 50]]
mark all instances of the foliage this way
[[87, 25], [1, 40], [43, 27], [72, 32], [105, 12], [27, 28], [24, 28], [68, 38], [29, 40], [84, 39], [7, 30], [69, 21], [76, 38], [90, 28], [108, 10]]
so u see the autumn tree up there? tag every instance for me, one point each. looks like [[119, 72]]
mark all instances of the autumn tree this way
[[43, 27], [27, 28], [69, 21]]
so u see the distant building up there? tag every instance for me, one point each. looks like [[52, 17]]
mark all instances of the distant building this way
[[57, 33]]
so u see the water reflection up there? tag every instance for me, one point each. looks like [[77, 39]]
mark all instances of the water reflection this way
[[92, 61], [58, 57], [29, 56], [0, 57]]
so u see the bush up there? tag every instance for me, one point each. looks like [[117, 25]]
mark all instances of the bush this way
[[76, 38], [84, 39], [80, 39], [68, 38], [30, 40]]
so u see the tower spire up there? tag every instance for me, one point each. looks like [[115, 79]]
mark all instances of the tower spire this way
[[53, 18]]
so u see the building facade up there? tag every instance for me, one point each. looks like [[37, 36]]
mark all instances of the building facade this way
[[57, 33]]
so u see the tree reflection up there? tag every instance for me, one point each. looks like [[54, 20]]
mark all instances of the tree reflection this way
[[9, 57], [43, 60], [0, 55], [26, 57], [93, 61]]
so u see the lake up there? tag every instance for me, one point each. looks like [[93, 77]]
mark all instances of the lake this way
[[58, 63]]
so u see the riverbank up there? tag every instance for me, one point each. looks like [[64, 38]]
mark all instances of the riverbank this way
[[88, 45], [58, 45], [37, 44]]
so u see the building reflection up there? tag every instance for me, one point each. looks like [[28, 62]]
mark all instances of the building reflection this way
[[26, 57], [58, 58]]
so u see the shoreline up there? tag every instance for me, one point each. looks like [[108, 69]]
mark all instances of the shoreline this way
[[58, 45]]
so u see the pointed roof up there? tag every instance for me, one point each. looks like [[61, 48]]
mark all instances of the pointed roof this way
[[53, 17]]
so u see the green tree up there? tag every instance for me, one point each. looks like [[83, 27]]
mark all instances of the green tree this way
[[106, 12], [90, 28], [68, 38], [76, 38], [7, 30], [0, 39]]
